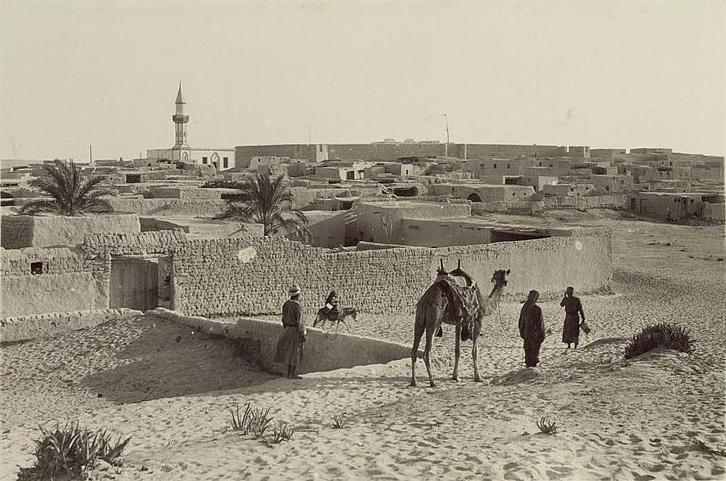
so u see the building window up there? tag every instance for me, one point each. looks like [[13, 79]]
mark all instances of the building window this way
[[495, 166], [204, 160], [226, 161], [507, 166], [37, 268]]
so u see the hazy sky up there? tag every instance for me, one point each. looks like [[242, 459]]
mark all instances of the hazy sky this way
[[604, 74]]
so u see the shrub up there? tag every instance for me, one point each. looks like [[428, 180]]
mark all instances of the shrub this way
[[254, 420], [338, 421], [282, 432], [71, 450], [547, 425], [667, 335]]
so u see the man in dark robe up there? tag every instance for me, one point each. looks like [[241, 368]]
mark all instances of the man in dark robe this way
[[290, 345], [573, 312], [531, 329]]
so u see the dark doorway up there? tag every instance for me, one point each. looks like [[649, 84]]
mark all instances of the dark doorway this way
[[474, 197]]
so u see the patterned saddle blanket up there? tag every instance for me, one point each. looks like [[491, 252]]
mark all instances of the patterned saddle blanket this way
[[464, 302]]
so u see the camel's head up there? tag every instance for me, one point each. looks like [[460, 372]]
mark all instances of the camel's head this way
[[500, 278]]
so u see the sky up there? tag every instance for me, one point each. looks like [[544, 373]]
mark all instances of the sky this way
[[605, 74]]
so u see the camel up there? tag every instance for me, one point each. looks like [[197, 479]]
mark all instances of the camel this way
[[436, 307]]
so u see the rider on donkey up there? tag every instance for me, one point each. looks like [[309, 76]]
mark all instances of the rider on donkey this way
[[331, 306]]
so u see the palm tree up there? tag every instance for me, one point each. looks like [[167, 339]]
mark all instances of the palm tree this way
[[73, 193], [266, 200]]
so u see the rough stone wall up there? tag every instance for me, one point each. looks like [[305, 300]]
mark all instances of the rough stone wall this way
[[582, 260], [142, 243], [162, 207], [232, 276], [182, 193], [15, 232]]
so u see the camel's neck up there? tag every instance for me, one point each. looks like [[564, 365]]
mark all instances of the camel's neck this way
[[496, 293]]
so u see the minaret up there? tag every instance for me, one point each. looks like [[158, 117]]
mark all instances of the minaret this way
[[180, 151]]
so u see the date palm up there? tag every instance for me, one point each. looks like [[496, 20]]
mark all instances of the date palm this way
[[73, 193], [266, 200]]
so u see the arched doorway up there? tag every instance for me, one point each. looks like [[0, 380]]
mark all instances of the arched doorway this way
[[474, 197]]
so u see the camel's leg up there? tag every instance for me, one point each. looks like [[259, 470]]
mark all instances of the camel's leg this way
[[430, 330], [418, 331], [475, 350], [457, 353], [345, 324], [317, 319]]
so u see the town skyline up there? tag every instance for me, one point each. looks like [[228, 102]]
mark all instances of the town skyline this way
[[621, 76]]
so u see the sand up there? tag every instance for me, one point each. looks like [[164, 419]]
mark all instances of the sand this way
[[660, 416]]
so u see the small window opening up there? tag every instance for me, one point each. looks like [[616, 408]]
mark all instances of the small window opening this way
[[37, 268]]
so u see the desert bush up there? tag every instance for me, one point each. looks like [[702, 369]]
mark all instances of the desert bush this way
[[253, 420], [71, 451], [338, 421], [547, 425], [282, 432], [667, 335]]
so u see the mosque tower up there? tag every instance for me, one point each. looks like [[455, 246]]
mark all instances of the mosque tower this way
[[181, 149]]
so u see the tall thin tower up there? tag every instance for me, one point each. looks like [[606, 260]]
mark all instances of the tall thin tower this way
[[180, 151], [446, 120]]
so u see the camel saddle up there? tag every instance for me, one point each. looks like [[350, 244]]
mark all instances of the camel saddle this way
[[463, 302]]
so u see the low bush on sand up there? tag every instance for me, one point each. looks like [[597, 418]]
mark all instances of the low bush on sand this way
[[665, 335], [547, 425], [338, 421], [253, 420], [70, 451], [282, 432]]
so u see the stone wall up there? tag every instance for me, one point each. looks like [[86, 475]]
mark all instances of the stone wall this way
[[55, 230], [15, 232], [64, 280], [171, 207], [324, 351], [143, 243], [230, 276]]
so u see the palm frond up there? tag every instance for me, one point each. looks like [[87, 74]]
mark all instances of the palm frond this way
[[72, 192], [40, 207]]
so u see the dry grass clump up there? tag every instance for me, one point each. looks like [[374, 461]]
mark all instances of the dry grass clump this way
[[282, 432], [666, 335], [70, 452], [339, 421], [253, 420], [547, 425]]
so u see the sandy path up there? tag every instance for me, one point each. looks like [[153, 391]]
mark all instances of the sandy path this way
[[655, 418]]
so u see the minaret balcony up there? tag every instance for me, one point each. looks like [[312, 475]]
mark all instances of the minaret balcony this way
[[180, 118]]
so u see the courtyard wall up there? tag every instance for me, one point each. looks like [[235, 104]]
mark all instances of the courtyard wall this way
[[237, 276]]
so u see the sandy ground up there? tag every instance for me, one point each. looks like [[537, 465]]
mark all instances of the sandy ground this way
[[658, 417]]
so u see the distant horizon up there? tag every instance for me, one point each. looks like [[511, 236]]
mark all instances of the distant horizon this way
[[621, 74], [20, 161]]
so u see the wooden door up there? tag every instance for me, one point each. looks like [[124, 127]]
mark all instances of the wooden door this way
[[134, 283]]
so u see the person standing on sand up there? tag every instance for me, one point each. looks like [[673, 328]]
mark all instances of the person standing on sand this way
[[573, 312], [531, 329], [290, 345]]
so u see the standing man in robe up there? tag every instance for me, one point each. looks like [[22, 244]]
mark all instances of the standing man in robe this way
[[531, 329], [573, 313], [290, 345]]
